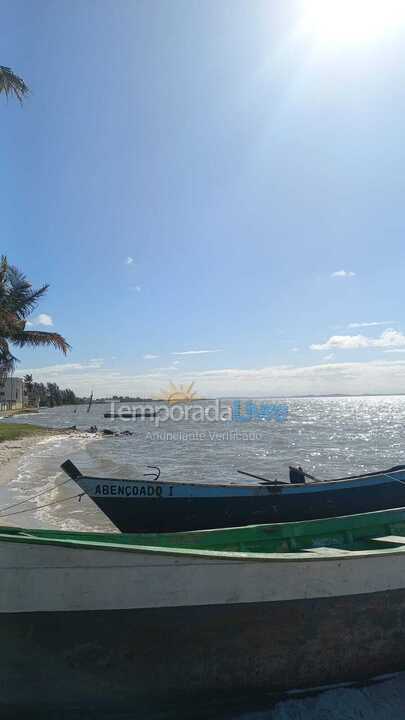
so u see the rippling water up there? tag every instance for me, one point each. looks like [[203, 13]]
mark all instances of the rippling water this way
[[327, 436]]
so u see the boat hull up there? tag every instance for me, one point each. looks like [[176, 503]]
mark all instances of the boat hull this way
[[149, 658], [114, 627], [134, 506]]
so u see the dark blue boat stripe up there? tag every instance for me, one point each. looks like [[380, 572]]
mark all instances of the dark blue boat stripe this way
[[140, 489]]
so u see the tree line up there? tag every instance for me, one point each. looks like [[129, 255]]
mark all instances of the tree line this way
[[49, 395]]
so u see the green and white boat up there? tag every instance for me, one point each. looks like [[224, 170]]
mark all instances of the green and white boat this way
[[114, 619]]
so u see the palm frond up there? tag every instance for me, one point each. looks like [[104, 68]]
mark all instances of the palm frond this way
[[3, 278], [12, 84], [35, 338], [17, 300], [3, 267], [22, 298], [9, 323], [7, 360]]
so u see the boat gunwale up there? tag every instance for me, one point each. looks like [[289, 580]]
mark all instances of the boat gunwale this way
[[80, 539], [304, 556], [270, 484]]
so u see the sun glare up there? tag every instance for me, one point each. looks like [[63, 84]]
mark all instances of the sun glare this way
[[351, 22]]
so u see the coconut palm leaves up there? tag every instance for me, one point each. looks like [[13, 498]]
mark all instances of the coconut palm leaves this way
[[17, 301], [11, 84]]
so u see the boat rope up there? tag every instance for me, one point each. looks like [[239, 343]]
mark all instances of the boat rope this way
[[394, 478], [39, 507], [34, 497]]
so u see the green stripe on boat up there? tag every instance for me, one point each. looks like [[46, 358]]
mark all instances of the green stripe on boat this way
[[353, 533]]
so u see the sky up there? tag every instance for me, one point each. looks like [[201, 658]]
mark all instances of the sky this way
[[213, 190]]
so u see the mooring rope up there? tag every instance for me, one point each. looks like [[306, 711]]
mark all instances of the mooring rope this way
[[43, 492], [39, 507], [394, 478]]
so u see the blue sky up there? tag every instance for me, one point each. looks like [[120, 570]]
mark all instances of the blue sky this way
[[242, 155]]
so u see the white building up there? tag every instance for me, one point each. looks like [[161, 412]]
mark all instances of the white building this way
[[12, 394]]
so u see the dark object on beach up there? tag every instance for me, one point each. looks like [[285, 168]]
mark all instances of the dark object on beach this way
[[156, 506], [111, 432], [297, 475], [90, 402], [127, 415], [92, 429]]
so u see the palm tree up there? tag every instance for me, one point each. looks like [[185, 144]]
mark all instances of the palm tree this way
[[28, 382], [17, 301], [11, 84], [28, 388]]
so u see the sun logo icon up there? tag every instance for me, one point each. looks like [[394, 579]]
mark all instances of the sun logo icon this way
[[179, 393]]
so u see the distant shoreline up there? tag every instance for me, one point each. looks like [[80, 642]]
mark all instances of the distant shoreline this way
[[250, 397], [148, 401]]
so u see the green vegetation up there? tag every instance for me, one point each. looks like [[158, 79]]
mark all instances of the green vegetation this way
[[15, 431], [12, 84], [51, 395], [18, 299], [19, 411]]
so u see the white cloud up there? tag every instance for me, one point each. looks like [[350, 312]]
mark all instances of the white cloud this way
[[294, 349], [149, 356], [326, 378], [395, 350], [342, 342], [41, 319], [44, 319], [354, 325], [328, 357], [64, 368], [168, 368], [196, 352], [388, 339], [129, 260], [343, 273]]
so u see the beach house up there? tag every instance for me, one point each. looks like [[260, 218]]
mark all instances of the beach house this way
[[12, 394]]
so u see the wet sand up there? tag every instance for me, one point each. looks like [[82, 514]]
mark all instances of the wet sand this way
[[12, 450], [34, 491]]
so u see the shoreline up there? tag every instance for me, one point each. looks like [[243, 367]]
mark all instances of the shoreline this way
[[11, 451], [30, 465]]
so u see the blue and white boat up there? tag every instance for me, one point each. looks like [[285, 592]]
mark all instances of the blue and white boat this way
[[162, 506]]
